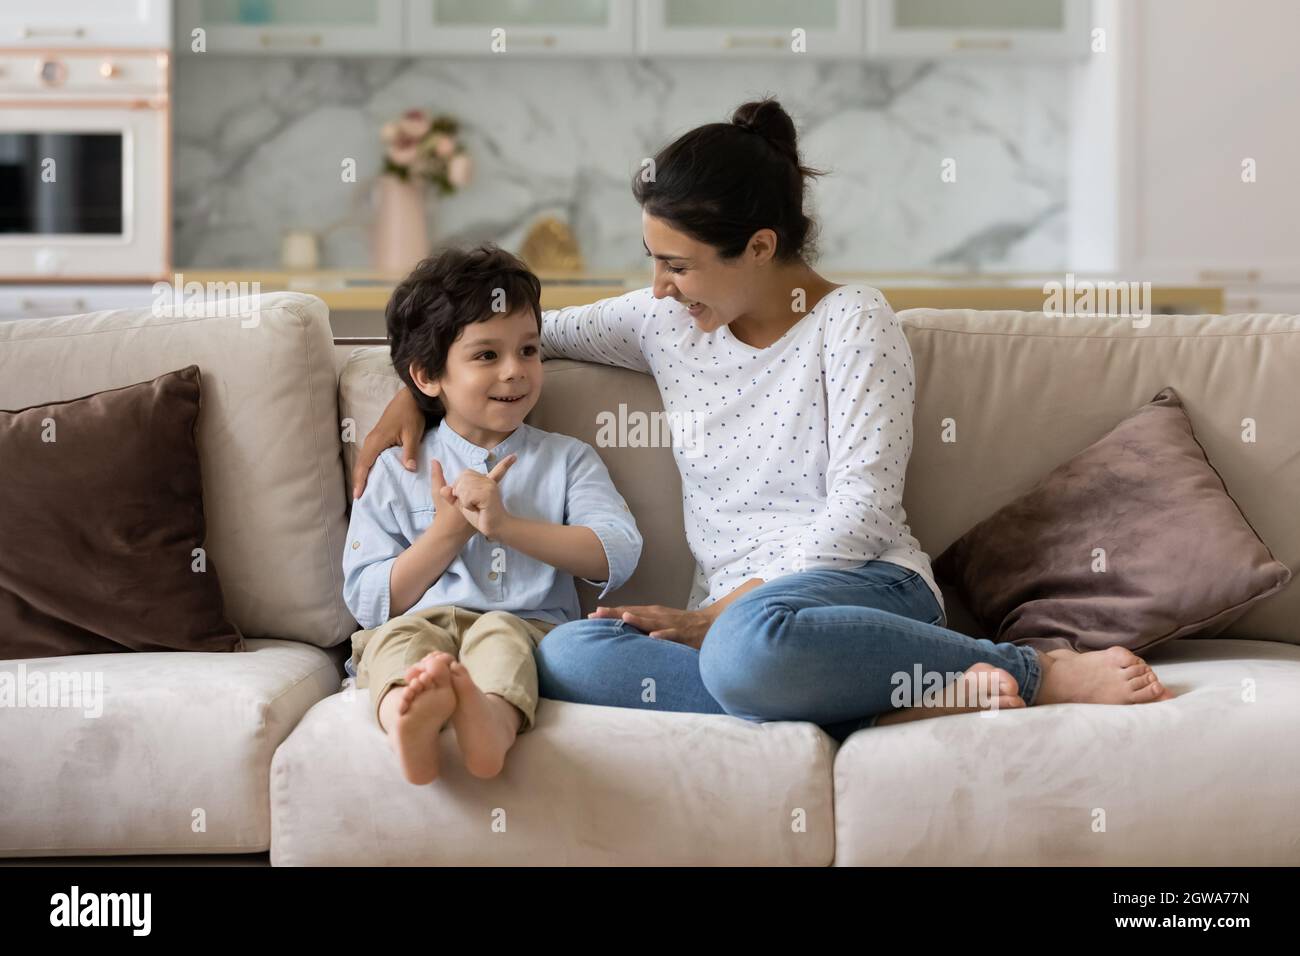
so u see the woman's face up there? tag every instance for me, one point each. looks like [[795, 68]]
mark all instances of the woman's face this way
[[490, 362], [715, 290]]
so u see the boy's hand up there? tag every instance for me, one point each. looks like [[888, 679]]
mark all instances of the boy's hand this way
[[478, 497], [447, 515]]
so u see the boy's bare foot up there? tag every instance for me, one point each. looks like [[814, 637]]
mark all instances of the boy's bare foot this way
[[415, 714], [1111, 676], [486, 725], [1000, 687]]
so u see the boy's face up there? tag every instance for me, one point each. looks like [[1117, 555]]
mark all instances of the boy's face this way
[[490, 361]]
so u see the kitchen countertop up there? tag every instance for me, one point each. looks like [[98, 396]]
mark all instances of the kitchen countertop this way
[[359, 290]]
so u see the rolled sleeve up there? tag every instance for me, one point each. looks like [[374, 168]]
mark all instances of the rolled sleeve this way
[[375, 540], [593, 502], [870, 400]]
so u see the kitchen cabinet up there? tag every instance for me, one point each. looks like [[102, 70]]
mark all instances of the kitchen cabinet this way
[[86, 23], [530, 27], [1189, 170], [1006, 28], [293, 26], [1009, 29], [43, 301], [750, 27]]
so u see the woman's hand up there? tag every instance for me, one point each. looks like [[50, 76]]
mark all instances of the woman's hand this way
[[664, 623], [401, 424]]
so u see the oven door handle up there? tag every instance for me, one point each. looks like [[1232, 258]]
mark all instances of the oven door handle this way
[[31, 33]]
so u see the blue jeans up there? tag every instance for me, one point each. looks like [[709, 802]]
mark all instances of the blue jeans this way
[[822, 646]]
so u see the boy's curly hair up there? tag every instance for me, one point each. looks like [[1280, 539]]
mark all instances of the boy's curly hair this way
[[442, 295]]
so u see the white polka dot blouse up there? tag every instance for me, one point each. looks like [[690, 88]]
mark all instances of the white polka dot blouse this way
[[792, 457]]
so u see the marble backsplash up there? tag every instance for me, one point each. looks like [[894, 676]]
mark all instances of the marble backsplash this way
[[260, 141]]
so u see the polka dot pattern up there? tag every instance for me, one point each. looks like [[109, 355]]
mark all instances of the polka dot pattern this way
[[801, 448]]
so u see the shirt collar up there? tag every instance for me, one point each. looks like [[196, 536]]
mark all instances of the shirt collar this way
[[475, 453]]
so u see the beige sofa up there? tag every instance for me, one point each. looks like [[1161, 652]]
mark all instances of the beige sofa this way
[[268, 749]]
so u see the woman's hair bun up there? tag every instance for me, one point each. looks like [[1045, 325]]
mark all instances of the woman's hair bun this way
[[722, 182], [767, 118]]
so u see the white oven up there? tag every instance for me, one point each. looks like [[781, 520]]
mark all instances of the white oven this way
[[85, 165]]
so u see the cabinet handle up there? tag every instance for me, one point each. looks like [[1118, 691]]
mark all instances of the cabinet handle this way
[[533, 39], [51, 305], [31, 33], [290, 39], [980, 43], [733, 41], [1229, 275]]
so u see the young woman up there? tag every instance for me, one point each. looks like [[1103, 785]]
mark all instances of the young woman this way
[[811, 595]]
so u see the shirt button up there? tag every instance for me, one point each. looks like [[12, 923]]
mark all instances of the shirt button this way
[[355, 545], [492, 576]]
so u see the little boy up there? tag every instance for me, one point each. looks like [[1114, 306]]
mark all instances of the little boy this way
[[458, 569]]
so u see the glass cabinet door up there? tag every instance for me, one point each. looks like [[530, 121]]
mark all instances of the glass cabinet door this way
[[751, 27], [933, 27], [293, 26], [523, 27]]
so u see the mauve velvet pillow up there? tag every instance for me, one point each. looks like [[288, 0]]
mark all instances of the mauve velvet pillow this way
[[1179, 557], [100, 524]]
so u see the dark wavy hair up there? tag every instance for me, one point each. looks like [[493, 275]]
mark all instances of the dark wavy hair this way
[[722, 182], [444, 294]]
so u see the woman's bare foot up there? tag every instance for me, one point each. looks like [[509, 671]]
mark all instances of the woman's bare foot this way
[[415, 714], [486, 725], [1111, 676], [999, 691]]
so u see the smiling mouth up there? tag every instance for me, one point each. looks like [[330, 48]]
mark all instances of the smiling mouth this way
[[509, 400]]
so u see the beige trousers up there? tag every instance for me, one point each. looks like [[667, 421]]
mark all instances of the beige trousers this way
[[496, 648]]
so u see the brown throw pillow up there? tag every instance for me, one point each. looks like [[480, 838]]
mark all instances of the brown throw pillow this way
[[101, 508], [1177, 555]]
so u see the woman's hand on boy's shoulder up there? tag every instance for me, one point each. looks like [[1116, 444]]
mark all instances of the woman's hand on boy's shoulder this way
[[402, 423]]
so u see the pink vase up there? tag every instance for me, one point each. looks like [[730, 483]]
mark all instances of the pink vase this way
[[401, 233]]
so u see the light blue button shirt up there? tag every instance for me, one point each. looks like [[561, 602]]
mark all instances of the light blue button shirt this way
[[556, 478]]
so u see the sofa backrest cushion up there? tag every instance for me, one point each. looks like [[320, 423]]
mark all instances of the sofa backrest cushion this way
[[1024, 392], [268, 438], [1003, 398]]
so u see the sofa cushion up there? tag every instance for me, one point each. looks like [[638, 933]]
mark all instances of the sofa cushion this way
[[268, 438], [1132, 542], [1004, 397], [1206, 779], [103, 534], [150, 752], [572, 396], [588, 785]]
